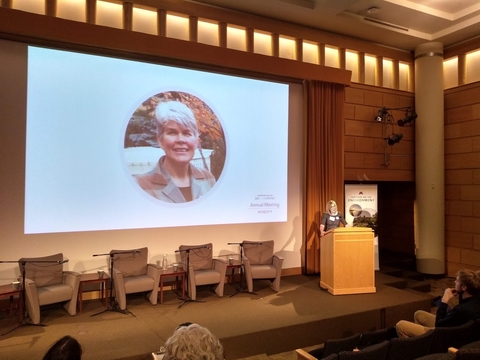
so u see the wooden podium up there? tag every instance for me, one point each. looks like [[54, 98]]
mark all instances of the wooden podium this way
[[347, 262]]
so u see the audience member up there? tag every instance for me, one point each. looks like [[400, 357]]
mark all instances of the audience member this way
[[67, 348], [193, 342], [467, 288]]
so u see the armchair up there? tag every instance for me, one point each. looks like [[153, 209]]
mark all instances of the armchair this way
[[203, 269], [260, 263], [46, 283], [133, 274]]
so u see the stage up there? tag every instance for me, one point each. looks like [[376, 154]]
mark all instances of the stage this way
[[299, 315]]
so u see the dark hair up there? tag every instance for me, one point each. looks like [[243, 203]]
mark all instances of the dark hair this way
[[67, 348], [188, 323]]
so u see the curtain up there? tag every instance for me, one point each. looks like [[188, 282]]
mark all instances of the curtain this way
[[324, 161]]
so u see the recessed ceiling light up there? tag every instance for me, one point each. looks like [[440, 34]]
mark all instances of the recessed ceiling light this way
[[373, 10]]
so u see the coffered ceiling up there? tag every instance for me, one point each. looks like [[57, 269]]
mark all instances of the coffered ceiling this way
[[402, 24]]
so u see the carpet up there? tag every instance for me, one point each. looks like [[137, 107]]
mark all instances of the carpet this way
[[299, 315]]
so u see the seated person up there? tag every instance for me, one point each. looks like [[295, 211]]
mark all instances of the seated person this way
[[193, 342], [66, 348], [467, 287]]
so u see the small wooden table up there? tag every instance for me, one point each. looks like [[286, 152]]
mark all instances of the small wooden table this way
[[93, 279], [179, 276], [236, 264], [8, 290]]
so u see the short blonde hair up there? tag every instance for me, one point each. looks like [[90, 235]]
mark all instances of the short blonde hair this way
[[330, 204], [193, 342]]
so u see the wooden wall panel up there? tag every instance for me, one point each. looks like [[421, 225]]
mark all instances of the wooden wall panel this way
[[456, 239], [458, 146], [462, 177], [458, 207], [459, 177], [370, 135]]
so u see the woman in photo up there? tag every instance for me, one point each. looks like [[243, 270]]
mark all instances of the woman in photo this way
[[175, 179]]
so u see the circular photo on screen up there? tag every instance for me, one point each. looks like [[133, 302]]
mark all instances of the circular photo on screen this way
[[175, 147], [355, 210]]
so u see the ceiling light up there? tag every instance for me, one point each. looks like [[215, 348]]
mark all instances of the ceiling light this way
[[373, 10]]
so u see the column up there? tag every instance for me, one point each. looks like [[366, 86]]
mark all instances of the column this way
[[429, 159]]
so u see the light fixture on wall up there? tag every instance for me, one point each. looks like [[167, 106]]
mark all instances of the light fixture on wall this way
[[394, 139], [410, 116], [384, 115], [381, 114]]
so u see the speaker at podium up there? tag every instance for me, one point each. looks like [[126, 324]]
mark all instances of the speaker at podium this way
[[347, 261]]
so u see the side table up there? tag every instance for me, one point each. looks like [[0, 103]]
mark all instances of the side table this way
[[93, 279], [231, 269], [8, 290], [179, 276]]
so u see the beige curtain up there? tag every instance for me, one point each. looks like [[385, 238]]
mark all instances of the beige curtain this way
[[324, 160]]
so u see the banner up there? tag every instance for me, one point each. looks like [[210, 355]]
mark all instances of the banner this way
[[361, 209]]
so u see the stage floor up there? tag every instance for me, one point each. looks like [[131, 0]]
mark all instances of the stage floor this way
[[299, 315]]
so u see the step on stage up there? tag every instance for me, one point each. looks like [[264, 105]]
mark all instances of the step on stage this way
[[301, 314]]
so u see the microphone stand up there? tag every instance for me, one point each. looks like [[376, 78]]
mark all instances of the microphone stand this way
[[240, 289], [112, 302], [187, 277], [22, 264]]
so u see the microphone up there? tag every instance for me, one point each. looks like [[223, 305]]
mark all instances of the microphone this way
[[194, 248], [253, 242]]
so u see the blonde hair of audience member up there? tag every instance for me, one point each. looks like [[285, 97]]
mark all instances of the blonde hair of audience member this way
[[193, 342]]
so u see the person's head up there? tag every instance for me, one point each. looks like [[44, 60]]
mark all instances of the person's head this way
[[467, 281], [177, 132], [331, 207], [66, 348], [193, 342]]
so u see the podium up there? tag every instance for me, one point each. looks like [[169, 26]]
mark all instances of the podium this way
[[347, 261]]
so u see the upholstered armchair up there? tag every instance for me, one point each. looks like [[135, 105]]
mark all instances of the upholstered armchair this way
[[260, 263], [133, 274], [46, 283], [203, 268]]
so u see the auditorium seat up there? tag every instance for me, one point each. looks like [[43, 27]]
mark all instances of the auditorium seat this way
[[260, 263], [335, 346], [410, 348], [456, 336], [467, 352], [373, 352], [304, 355], [47, 283], [377, 336], [203, 268]]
